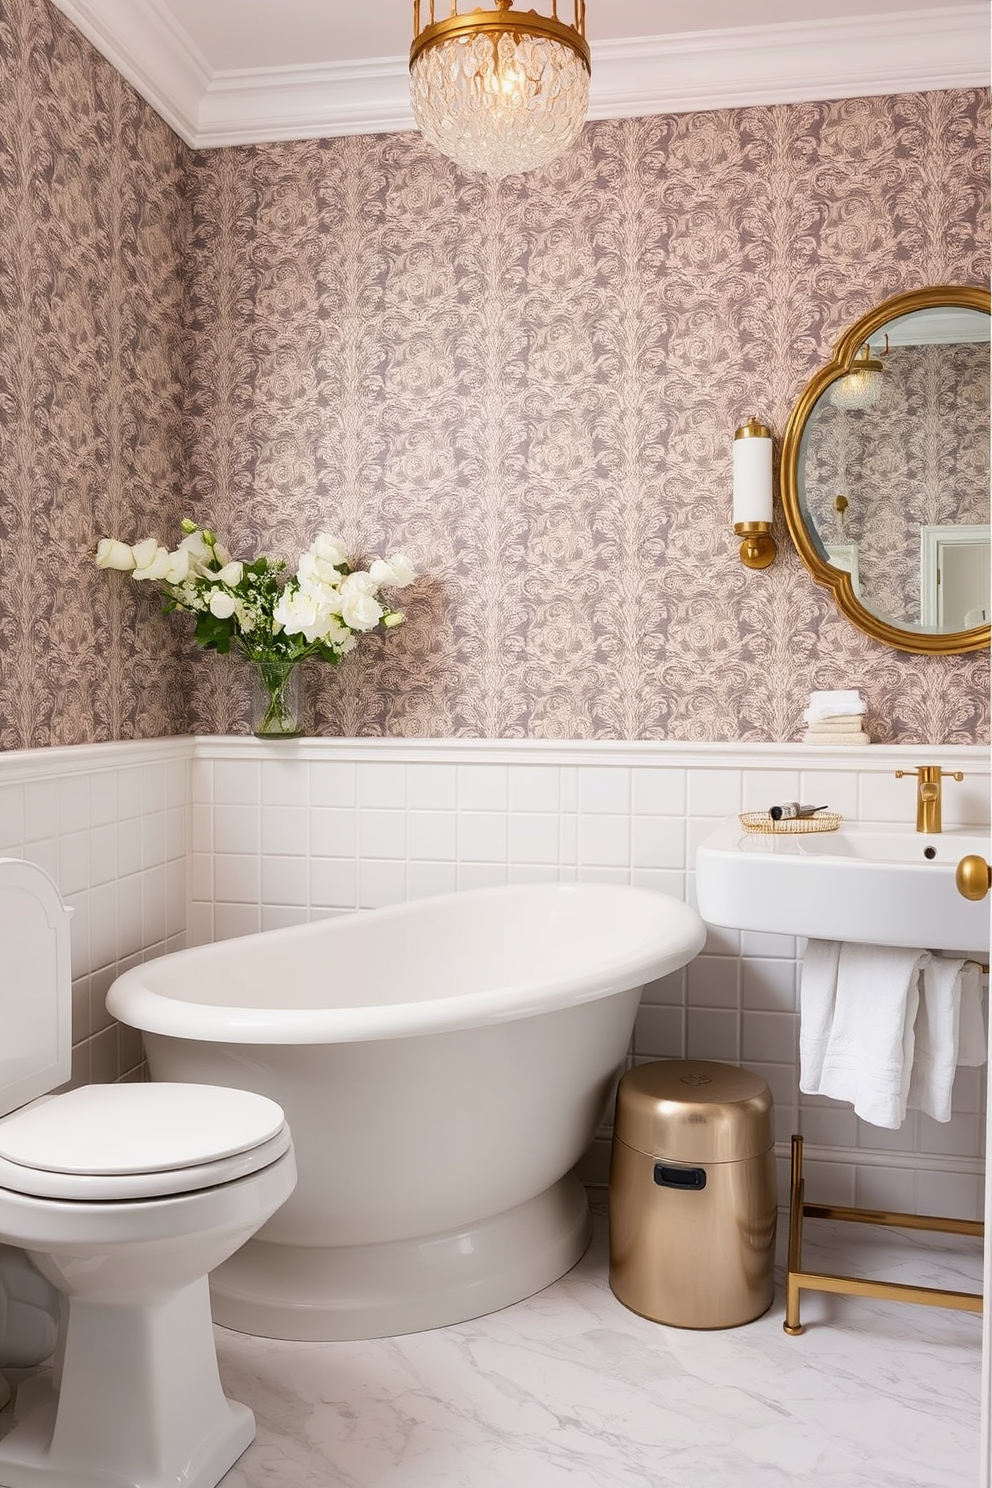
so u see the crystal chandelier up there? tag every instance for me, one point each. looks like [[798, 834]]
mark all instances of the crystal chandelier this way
[[864, 385], [502, 90]]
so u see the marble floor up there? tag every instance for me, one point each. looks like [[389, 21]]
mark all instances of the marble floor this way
[[570, 1390]]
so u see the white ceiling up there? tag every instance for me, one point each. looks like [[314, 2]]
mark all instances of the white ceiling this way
[[241, 71]]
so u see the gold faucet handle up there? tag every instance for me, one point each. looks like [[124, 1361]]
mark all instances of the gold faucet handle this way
[[932, 772]]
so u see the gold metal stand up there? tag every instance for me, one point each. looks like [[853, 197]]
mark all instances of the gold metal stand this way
[[850, 1286]]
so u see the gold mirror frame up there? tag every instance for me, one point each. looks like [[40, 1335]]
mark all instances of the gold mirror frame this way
[[837, 581]]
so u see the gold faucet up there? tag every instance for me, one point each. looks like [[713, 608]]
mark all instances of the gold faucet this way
[[929, 778]]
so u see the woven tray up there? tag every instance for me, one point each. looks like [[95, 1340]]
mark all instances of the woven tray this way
[[760, 821]]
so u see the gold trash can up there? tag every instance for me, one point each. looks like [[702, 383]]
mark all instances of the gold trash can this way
[[693, 1204]]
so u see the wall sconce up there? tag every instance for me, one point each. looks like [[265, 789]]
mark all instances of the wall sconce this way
[[753, 493]]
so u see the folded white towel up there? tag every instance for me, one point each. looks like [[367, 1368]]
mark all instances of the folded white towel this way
[[950, 1030], [843, 723], [829, 704], [858, 1009], [858, 737]]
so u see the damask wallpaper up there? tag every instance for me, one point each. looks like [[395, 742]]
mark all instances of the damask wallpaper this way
[[530, 386], [94, 229]]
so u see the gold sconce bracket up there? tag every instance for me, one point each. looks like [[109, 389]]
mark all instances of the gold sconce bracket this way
[[759, 548]]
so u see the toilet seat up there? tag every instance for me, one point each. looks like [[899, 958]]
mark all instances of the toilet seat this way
[[125, 1142]]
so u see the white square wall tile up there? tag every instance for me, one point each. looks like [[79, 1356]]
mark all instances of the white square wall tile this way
[[284, 783], [236, 829], [103, 798], [334, 832], [533, 788], [201, 818], [41, 810], [432, 835], [533, 837], [381, 834], [129, 793], [236, 783], [482, 787], [432, 787], [74, 862], [129, 840], [603, 789], [424, 880], [658, 791], [334, 883], [285, 881], [74, 803], [333, 783], [714, 792], [153, 787], [11, 817], [236, 878], [231, 920], [152, 839], [770, 1036], [768, 986], [658, 842], [765, 788], [285, 830], [380, 884], [130, 928], [482, 836], [382, 786], [103, 854], [713, 982], [604, 841], [712, 1034]]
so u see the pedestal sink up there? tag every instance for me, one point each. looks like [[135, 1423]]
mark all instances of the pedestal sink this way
[[866, 881]]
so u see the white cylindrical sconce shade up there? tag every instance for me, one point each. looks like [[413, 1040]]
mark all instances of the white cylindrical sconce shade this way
[[752, 473]]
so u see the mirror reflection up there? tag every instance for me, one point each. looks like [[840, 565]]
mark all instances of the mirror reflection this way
[[894, 464]]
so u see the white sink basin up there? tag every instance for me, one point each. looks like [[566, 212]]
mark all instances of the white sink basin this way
[[885, 885]]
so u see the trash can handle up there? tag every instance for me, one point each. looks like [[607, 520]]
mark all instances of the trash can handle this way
[[668, 1177]]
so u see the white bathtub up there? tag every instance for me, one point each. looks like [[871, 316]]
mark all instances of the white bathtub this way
[[443, 1065]]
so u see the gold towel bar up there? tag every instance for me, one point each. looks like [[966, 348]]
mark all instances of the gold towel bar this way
[[798, 1280]]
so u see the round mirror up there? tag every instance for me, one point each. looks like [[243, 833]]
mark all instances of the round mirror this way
[[885, 472]]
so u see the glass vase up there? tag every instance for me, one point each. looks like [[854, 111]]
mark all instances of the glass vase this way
[[276, 700]]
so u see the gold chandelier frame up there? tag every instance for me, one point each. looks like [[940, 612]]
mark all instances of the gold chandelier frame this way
[[500, 22]]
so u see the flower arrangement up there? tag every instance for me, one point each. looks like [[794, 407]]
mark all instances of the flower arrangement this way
[[275, 621]]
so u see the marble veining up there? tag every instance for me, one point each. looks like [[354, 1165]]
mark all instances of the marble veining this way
[[570, 1388]]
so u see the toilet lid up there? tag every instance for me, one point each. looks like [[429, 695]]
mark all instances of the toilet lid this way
[[114, 1130]]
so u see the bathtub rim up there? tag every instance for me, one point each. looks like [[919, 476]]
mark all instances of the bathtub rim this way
[[680, 936]]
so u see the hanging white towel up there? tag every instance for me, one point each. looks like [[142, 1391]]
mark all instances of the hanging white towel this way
[[950, 1030], [859, 1042]]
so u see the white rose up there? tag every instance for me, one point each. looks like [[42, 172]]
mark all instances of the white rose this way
[[144, 552], [157, 565], [113, 554], [360, 610], [179, 567], [222, 606], [231, 573], [329, 549], [194, 545], [315, 570], [396, 571], [301, 612]]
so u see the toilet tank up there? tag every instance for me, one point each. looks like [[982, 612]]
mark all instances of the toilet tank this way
[[35, 985]]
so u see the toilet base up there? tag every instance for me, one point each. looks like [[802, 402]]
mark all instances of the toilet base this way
[[139, 1403]]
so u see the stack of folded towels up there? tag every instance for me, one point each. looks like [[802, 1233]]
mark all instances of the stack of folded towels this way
[[835, 718]]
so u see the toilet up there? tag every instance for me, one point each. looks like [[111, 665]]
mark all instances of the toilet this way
[[115, 1203]]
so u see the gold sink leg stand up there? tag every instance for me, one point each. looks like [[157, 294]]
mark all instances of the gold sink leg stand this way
[[851, 1286]]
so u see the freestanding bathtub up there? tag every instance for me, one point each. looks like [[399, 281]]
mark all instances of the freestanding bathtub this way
[[443, 1065]]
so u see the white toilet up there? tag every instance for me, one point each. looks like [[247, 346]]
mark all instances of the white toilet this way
[[124, 1197]]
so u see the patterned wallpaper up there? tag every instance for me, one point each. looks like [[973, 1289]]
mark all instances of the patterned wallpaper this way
[[530, 386], [95, 225], [920, 458]]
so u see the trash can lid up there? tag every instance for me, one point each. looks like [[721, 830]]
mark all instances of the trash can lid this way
[[694, 1111]]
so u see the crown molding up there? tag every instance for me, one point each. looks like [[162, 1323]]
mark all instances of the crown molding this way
[[909, 51]]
